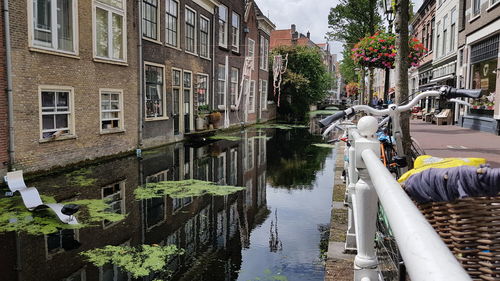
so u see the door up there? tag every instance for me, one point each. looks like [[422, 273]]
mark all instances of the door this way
[[176, 91], [188, 113]]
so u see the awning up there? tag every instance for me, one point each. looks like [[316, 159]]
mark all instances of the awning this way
[[443, 78]]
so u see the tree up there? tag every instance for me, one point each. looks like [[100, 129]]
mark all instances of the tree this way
[[304, 83], [347, 66]]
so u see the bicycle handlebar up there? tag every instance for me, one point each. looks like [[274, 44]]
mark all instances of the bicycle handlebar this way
[[463, 93]]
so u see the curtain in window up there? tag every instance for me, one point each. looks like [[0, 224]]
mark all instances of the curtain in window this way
[[102, 47], [117, 36]]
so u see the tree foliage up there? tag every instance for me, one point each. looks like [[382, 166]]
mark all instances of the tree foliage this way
[[347, 66], [305, 81]]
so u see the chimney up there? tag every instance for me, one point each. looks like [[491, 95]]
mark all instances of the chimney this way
[[309, 35], [293, 28]]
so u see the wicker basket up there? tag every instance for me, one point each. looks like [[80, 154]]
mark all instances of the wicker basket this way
[[470, 227]]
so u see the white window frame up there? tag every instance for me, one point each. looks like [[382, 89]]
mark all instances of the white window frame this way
[[31, 29], [71, 111], [251, 51], [208, 36], [251, 98], [473, 15], [234, 82], [223, 79], [121, 120], [195, 31], [177, 20], [223, 40], [235, 32], [453, 29], [165, 115], [111, 10], [158, 29], [264, 53], [492, 4], [122, 201], [444, 50], [263, 97], [207, 94], [233, 167], [163, 173]]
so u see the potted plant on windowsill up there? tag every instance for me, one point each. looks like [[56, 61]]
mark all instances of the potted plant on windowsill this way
[[201, 118], [214, 118]]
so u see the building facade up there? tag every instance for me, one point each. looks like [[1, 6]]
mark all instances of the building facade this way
[[4, 108], [75, 80], [479, 26]]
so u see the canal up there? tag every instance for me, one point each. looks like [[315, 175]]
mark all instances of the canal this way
[[274, 229]]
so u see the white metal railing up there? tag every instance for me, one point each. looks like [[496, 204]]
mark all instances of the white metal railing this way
[[425, 255]]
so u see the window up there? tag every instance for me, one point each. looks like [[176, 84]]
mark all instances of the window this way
[[251, 97], [171, 22], [223, 26], [150, 19], [109, 32], [264, 53], [251, 50], [155, 207], [221, 85], [236, 32], [187, 93], [432, 35], [155, 93], [111, 110], [438, 37], [445, 33], [453, 21], [114, 196], [56, 112], [176, 90], [234, 85], [250, 145], [233, 167], [54, 24], [476, 8], [190, 30], [204, 37], [202, 89], [263, 94], [62, 240], [493, 2]]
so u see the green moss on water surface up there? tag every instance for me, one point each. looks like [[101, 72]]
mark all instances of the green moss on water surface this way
[[324, 145], [183, 189], [225, 137], [280, 126], [81, 177], [138, 261], [14, 216]]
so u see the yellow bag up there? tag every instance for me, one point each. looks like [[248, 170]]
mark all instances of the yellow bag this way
[[425, 162]]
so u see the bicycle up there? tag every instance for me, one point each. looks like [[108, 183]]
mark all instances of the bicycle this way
[[387, 251]]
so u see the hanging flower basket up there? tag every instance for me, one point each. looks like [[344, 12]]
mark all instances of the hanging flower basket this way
[[379, 51], [352, 89]]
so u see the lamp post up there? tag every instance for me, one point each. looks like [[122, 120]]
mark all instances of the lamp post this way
[[389, 15]]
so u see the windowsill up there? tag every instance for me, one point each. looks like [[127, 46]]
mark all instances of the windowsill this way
[[475, 18], [492, 6], [264, 110], [61, 138], [112, 131], [152, 40], [266, 70], [173, 47], [156, 119], [191, 53], [236, 52], [54, 52], [206, 58], [110, 61], [223, 48]]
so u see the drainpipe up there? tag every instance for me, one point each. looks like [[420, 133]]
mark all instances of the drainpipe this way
[[213, 56], [8, 63], [141, 100]]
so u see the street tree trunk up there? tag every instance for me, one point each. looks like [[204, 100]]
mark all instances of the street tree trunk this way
[[402, 16], [362, 86], [370, 84]]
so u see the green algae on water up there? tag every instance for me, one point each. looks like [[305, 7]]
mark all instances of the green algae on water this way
[[183, 189], [279, 126], [81, 178], [138, 261], [14, 216], [225, 137], [324, 145]]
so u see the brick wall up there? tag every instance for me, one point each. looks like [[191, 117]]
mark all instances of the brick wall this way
[[4, 122], [87, 76]]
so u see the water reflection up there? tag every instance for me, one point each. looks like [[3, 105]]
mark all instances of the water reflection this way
[[212, 230]]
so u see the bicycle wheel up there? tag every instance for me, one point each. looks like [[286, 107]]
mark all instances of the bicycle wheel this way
[[391, 264], [416, 149]]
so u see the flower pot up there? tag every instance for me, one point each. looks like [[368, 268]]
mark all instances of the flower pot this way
[[200, 123]]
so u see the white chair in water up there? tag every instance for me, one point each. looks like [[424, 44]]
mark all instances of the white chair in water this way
[[32, 199]]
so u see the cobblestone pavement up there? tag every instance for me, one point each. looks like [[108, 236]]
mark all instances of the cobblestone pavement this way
[[455, 141]]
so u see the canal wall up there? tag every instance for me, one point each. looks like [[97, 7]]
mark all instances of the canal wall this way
[[339, 265]]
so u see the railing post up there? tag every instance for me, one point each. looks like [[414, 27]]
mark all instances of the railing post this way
[[365, 203], [352, 177]]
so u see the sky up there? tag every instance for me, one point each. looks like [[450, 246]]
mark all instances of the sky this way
[[308, 15]]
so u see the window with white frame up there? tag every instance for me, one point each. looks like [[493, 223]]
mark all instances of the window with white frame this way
[[176, 90], [190, 30], [150, 19], [476, 7], [56, 112], [445, 33], [223, 26], [453, 21], [111, 110], [250, 146], [234, 85], [155, 91], [204, 37], [233, 167], [221, 84], [54, 24], [171, 24], [263, 94], [114, 195], [438, 37], [235, 19], [264, 53], [251, 97], [202, 89], [110, 35], [251, 50]]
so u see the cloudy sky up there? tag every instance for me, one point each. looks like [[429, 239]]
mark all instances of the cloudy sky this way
[[308, 15]]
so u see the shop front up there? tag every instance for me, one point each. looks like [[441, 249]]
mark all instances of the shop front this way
[[484, 115]]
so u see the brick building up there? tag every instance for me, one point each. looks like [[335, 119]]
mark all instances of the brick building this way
[[74, 80], [4, 121], [291, 37]]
